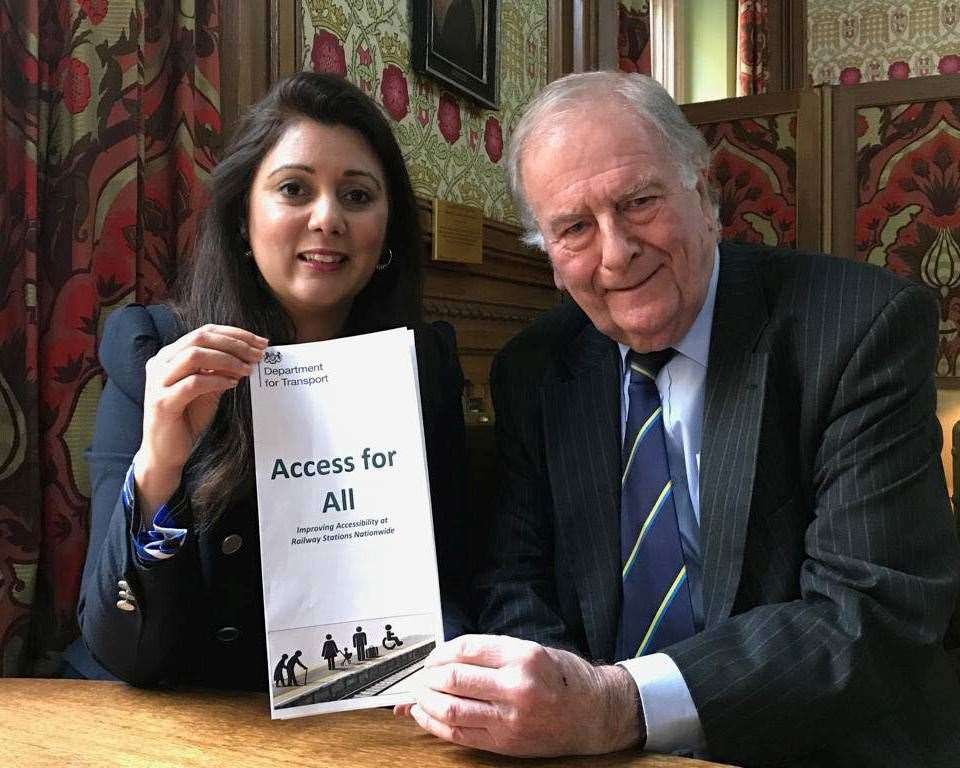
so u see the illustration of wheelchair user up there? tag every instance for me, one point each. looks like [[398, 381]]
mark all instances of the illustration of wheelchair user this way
[[391, 641]]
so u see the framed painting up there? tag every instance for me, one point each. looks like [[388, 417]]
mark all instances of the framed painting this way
[[455, 41]]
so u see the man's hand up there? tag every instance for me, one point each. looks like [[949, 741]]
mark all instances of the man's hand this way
[[519, 698]]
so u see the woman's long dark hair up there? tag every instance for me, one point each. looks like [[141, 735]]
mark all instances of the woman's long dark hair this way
[[220, 285]]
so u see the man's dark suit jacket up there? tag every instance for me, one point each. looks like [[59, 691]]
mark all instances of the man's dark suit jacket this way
[[830, 556], [199, 616]]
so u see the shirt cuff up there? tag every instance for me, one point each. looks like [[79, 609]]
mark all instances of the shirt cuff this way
[[159, 542], [673, 725]]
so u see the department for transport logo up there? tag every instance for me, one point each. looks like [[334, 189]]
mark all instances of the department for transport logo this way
[[272, 356]]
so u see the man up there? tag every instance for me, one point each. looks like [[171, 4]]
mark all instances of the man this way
[[278, 671], [292, 665], [790, 442], [360, 643]]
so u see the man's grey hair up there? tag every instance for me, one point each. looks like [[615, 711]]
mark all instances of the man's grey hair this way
[[575, 93]]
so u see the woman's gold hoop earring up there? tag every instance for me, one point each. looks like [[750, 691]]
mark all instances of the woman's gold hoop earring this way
[[384, 264]]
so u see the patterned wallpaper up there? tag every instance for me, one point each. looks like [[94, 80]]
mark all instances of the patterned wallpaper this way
[[453, 147], [908, 203], [755, 173], [864, 40]]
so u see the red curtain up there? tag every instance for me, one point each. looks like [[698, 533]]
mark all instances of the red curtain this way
[[633, 37], [753, 54], [109, 121]]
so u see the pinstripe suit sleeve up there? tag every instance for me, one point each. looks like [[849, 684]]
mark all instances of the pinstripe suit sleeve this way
[[516, 591], [880, 569]]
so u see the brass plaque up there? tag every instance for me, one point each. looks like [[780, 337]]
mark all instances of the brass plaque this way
[[457, 232]]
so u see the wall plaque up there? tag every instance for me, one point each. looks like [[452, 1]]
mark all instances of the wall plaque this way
[[457, 232]]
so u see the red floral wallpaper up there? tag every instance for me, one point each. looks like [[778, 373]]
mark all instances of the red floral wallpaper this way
[[754, 173], [452, 146], [908, 203], [864, 40], [109, 117]]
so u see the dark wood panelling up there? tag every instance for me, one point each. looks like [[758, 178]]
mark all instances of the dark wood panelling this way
[[559, 38], [486, 303], [742, 108], [260, 43], [787, 45], [581, 36], [244, 57], [286, 38], [810, 171]]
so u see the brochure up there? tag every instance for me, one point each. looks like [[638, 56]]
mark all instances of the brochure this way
[[350, 590]]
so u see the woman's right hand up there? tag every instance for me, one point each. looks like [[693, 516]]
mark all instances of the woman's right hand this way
[[184, 383]]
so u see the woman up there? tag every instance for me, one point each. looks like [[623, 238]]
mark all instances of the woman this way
[[310, 233]]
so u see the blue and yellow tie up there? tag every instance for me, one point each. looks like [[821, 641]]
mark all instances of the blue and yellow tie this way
[[656, 609]]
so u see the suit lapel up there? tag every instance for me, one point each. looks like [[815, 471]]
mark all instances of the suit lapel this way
[[582, 420], [733, 410]]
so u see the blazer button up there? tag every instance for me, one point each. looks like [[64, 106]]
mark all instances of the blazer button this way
[[231, 544], [227, 634], [126, 605]]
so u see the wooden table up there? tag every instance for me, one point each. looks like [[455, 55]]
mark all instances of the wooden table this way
[[81, 723]]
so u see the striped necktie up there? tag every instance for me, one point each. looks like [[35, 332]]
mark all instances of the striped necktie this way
[[656, 609]]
